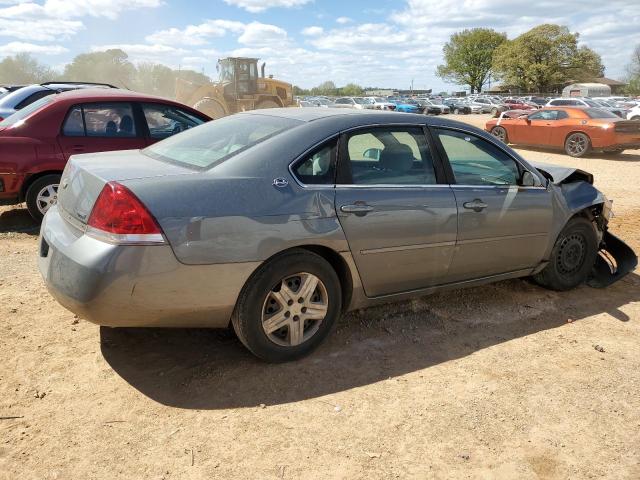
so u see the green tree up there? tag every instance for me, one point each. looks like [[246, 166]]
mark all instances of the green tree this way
[[468, 57], [325, 88], [23, 68], [633, 73], [111, 66], [351, 90], [544, 58]]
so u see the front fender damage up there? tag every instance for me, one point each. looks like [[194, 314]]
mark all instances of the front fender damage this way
[[578, 196], [615, 259]]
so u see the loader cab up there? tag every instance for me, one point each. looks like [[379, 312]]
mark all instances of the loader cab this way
[[239, 76]]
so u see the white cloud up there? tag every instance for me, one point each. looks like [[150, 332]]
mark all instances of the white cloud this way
[[256, 6], [138, 49], [12, 48], [43, 30], [312, 31], [195, 34], [258, 34], [343, 20]]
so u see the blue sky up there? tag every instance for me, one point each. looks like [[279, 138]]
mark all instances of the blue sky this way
[[372, 43]]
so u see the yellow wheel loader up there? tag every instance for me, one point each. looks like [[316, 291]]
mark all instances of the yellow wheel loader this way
[[240, 88]]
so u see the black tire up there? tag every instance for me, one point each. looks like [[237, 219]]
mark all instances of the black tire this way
[[572, 257], [577, 145], [500, 133], [494, 112], [210, 107], [247, 317], [637, 117], [613, 153], [268, 104], [35, 207]]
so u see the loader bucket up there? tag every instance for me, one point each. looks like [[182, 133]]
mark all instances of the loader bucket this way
[[615, 259]]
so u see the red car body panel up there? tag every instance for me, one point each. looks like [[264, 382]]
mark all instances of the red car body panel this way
[[36, 146]]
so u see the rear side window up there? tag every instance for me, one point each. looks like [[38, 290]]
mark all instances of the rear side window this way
[[318, 168], [100, 120], [166, 120], [391, 156], [599, 113]]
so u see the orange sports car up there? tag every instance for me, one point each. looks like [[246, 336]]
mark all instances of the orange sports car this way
[[577, 130]]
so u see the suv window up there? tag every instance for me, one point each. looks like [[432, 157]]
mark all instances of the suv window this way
[[475, 161], [397, 156], [33, 98], [318, 168], [166, 120]]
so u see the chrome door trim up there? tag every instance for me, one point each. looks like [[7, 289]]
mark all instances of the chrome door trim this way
[[406, 247]]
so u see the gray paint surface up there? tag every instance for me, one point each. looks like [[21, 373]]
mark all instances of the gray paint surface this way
[[223, 223]]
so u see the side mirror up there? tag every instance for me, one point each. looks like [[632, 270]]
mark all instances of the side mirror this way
[[528, 179], [372, 154]]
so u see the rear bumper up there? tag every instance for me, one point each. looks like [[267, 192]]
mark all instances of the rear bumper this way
[[134, 286], [10, 185]]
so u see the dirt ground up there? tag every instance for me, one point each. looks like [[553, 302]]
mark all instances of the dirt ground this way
[[505, 381]]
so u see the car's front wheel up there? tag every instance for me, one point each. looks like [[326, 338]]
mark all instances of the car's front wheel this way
[[42, 194], [572, 257], [288, 306]]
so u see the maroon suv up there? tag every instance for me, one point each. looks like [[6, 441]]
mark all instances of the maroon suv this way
[[37, 141]]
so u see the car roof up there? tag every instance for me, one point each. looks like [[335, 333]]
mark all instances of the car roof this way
[[355, 116], [106, 94]]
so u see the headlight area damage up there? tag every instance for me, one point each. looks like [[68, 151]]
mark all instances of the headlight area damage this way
[[615, 258]]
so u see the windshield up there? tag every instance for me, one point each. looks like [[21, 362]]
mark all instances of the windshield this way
[[226, 71], [209, 144], [380, 100], [599, 113], [21, 115], [362, 101]]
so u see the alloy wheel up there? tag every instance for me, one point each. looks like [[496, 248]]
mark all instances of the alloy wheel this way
[[577, 144], [47, 197], [294, 309]]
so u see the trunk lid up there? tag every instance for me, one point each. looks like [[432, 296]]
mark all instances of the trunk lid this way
[[85, 176]]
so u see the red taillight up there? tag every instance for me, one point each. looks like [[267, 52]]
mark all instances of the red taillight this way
[[118, 211]]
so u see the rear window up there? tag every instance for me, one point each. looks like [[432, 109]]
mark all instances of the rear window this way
[[599, 113], [21, 115], [209, 144]]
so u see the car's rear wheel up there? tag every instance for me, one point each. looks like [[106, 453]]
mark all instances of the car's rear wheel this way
[[572, 257], [288, 306], [577, 145], [42, 194], [500, 133], [613, 153], [456, 111]]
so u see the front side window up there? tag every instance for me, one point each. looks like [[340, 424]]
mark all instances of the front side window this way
[[166, 120], [74, 124], [317, 168], [109, 120], [396, 156], [544, 115], [214, 142], [475, 161]]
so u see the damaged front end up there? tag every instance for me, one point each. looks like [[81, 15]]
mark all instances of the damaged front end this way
[[615, 258]]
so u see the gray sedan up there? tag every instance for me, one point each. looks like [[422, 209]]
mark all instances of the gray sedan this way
[[278, 221]]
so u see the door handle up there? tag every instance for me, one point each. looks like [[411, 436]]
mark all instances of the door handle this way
[[476, 205], [359, 208]]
